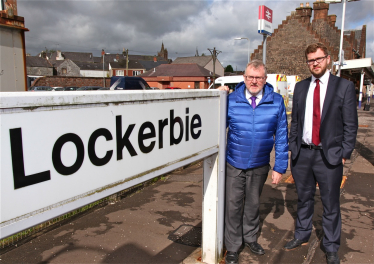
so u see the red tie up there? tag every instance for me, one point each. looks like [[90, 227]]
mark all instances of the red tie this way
[[316, 115]]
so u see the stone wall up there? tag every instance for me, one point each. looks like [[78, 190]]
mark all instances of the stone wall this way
[[71, 81], [39, 71]]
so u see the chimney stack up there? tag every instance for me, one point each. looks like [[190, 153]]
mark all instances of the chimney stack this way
[[321, 10], [154, 59], [332, 20], [305, 13], [59, 55]]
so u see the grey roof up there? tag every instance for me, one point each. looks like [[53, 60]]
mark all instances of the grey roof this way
[[113, 57], [146, 57], [151, 64], [201, 60], [35, 61], [133, 64], [180, 70], [56, 63], [74, 56], [97, 59], [92, 66]]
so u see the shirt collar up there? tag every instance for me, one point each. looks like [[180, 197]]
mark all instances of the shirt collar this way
[[249, 95], [324, 78]]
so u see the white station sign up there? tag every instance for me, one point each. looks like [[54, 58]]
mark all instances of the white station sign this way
[[60, 151], [265, 20]]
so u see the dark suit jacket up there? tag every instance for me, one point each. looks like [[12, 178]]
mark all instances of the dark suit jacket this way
[[339, 121]]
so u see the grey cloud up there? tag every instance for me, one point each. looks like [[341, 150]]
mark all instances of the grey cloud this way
[[141, 26]]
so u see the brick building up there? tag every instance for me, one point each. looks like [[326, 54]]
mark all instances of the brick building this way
[[285, 48], [184, 76]]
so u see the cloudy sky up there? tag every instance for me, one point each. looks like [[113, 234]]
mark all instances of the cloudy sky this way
[[182, 25]]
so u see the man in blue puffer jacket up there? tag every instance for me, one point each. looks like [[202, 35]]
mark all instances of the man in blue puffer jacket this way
[[257, 121]]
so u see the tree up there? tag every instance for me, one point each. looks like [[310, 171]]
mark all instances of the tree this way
[[49, 50], [229, 68]]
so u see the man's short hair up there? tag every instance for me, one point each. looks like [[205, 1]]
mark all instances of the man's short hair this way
[[313, 48], [256, 64]]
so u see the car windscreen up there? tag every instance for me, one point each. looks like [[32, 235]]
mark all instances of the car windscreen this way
[[134, 84]]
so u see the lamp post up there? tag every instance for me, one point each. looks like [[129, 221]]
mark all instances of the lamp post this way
[[248, 45], [103, 53], [341, 58]]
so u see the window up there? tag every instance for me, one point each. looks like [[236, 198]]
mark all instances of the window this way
[[120, 73], [135, 73], [64, 71]]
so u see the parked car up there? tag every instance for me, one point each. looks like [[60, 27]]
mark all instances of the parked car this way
[[89, 88], [39, 88], [71, 88], [168, 88], [152, 88], [56, 88], [128, 83], [104, 88]]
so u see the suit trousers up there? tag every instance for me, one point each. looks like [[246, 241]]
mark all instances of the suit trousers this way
[[307, 169], [243, 190]]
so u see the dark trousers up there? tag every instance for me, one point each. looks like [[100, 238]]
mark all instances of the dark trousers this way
[[308, 168], [243, 190]]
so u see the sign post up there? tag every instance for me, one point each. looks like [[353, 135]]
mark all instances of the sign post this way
[[265, 26]]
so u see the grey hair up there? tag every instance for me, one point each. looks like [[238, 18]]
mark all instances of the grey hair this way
[[257, 64]]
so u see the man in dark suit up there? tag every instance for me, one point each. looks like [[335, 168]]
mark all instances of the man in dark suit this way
[[322, 136]]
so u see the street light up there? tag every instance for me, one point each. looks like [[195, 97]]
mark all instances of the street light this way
[[248, 45], [103, 53], [342, 31]]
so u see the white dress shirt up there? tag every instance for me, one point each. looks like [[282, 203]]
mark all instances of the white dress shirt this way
[[308, 119], [248, 95]]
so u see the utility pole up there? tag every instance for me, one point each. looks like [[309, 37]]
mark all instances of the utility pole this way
[[214, 53], [127, 60]]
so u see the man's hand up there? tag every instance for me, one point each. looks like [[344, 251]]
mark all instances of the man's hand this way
[[343, 160], [223, 88], [276, 176]]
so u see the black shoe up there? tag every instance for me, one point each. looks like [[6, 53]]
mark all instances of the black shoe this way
[[332, 258], [232, 257], [256, 248], [294, 243]]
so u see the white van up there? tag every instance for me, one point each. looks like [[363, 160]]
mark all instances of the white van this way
[[230, 81]]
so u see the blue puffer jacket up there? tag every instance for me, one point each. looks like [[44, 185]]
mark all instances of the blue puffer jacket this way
[[253, 132]]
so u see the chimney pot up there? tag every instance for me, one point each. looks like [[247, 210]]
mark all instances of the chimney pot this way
[[301, 5], [307, 4]]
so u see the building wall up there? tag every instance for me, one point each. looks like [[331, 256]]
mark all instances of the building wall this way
[[40, 71], [122, 72], [89, 73], [13, 60], [219, 68], [181, 82], [71, 69]]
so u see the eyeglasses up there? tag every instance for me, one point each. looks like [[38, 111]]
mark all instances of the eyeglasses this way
[[251, 78], [318, 60]]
